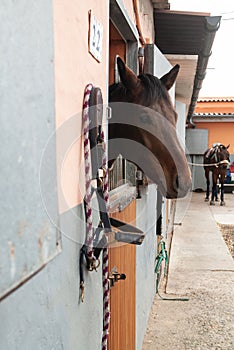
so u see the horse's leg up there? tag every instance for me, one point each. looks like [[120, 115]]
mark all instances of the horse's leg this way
[[214, 188], [207, 175], [222, 178], [216, 191]]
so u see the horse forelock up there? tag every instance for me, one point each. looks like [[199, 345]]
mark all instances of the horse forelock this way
[[153, 92], [118, 93], [223, 152], [153, 89]]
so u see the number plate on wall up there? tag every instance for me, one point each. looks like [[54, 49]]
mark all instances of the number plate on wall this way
[[95, 37]]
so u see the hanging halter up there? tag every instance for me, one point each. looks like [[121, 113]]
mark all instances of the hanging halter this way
[[96, 161], [95, 158]]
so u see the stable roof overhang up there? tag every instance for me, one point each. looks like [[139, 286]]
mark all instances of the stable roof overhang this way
[[213, 117], [186, 38]]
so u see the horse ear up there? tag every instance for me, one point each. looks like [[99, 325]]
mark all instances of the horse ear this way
[[228, 146], [127, 76], [169, 78]]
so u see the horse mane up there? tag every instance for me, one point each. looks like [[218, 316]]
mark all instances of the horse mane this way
[[154, 90]]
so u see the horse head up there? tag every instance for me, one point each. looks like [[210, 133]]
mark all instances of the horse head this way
[[217, 154], [224, 153], [143, 129]]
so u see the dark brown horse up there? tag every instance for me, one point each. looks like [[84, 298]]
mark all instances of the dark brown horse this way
[[143, 129], [218, 159]]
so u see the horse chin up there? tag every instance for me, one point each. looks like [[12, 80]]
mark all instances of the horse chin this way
[[167, 193], [177, 194], [172, 196], [170, 192]]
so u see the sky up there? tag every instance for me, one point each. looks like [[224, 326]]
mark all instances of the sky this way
[[220, 73]]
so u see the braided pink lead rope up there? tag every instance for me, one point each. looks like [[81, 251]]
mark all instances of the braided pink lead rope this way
[[106, 304], [89, 223], [105, 183]]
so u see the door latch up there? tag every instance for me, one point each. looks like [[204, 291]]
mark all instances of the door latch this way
[[115, 276]]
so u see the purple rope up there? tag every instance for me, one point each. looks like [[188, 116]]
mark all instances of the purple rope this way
[[105, 181], [105, 282], [89, 223], [106, 305]]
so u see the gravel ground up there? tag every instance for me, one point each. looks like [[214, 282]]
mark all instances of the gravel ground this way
[[228, 235], [204, 322]]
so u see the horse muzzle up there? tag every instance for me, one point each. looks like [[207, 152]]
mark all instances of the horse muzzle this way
[[179, 187]]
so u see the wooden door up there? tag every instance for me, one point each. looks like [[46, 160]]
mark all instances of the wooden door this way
[[117, 47], [123, 293]]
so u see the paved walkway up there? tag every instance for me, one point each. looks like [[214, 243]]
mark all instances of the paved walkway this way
[[201, 268]]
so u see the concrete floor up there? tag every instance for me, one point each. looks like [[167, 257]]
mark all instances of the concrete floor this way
[[201, 268]]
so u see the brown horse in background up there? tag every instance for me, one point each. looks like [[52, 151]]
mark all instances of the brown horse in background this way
[[143, 129], [218, 159]]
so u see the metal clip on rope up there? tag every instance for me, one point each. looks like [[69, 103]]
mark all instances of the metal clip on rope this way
[[94, 265]]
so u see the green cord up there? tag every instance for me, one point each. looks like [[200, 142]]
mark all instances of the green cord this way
[[162, 255]]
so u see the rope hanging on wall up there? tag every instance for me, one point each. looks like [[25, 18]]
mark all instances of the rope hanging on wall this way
[[94, 136], [96, 168], [88, 188]]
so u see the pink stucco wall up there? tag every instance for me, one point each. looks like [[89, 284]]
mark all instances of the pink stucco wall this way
[[74, 69]]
